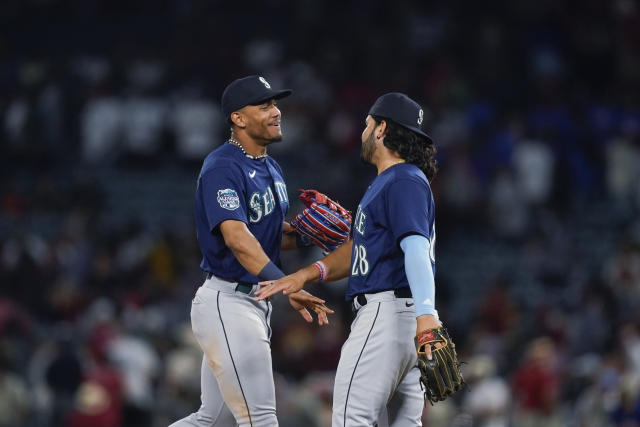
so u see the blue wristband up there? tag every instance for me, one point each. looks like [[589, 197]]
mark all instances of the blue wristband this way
[[270, 272]]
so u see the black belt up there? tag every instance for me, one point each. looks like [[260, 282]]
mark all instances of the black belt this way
[[403, 292], [244, 287]]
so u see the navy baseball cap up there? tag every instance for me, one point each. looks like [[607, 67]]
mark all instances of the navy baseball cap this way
[[251, 90], [402, 110]]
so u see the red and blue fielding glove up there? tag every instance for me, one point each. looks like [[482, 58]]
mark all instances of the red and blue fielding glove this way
[[324, 221]]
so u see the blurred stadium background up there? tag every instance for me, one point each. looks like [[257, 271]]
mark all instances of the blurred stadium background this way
[[107, 108]]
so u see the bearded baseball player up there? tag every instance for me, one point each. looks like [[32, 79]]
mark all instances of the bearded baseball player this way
[[240, 205], [396, 340]]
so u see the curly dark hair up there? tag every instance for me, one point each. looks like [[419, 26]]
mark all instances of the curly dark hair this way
[[413, 148]]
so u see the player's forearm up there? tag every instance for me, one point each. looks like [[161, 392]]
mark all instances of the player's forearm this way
[[288, 242], [251, 256], [245, 247], [421, 281], [338, 262], [336, 265]]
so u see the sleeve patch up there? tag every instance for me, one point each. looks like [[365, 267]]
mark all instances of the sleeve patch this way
[[228, 199]]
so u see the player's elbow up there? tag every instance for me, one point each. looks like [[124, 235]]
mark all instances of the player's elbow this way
[[237, 242], [233, 233], [233, 242]]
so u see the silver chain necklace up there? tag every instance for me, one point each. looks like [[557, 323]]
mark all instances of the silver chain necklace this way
[[252, 157]]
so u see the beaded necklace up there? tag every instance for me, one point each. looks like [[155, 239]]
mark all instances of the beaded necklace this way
[[252, 157]]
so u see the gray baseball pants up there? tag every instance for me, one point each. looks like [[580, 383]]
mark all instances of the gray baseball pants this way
[[377, 380], [233, 330]]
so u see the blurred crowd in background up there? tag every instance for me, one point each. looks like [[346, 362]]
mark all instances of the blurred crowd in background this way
[[107, 108]]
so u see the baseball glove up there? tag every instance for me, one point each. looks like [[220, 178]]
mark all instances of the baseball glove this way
[[440, 376], [324, 222]]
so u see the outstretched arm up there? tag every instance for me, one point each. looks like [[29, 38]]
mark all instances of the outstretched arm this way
[[336, 264], [421, 282]]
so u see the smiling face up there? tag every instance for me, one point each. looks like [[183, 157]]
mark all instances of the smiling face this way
[[262, 122]]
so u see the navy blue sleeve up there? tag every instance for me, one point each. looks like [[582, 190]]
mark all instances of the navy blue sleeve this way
[[408, 208], [223, 196]]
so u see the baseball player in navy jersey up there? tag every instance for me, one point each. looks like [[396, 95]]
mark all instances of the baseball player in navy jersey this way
[[240, 205], [390, 262]]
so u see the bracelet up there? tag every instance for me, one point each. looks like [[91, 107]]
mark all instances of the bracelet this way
[[322, 269]]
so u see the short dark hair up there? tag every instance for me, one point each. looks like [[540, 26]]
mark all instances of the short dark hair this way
[[413, 148]]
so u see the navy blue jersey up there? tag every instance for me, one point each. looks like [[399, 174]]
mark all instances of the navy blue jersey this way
[[398, 203], [233, 186]]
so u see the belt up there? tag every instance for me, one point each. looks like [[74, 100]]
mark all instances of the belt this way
[[244, 287], [403, 292]]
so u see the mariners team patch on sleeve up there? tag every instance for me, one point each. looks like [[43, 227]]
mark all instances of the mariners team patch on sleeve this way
[[228, 199]]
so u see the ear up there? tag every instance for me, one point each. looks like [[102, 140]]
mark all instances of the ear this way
[[238, 119], [381, 130]]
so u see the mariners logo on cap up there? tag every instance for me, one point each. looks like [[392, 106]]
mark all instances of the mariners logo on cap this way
[[420, 116], [228, 199], [265, 82]]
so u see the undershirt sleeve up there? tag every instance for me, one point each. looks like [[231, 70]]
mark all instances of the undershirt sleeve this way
[[417, 265]]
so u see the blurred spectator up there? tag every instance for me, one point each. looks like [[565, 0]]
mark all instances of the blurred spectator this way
[[101, 127], [591, 406], [496, 323], [64, 376], [627, 413], [139, 366], [182, 378], [445, 414], [622, 173], [460, 188], [622, 273], [489, 399], [144, 119], [98, 400], [630, 343], [14, 397], [15, 121], [536, 386], [591, 319], [196, 123], [507, 208], [534, 167]]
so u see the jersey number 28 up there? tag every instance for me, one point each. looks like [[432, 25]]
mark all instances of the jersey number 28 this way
[[360, 266]]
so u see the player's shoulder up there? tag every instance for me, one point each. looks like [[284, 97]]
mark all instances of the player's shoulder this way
[[408, 172], [223, 157], [411, 171], [408, 179]]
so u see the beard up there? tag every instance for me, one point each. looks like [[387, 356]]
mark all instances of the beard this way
[[367, 149]]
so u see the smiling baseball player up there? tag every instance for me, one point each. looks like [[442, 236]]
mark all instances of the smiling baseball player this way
[[390, 261], [240, 205]]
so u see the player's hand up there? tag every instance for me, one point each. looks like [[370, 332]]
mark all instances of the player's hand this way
[[287, 228], [303, 300], [428, 347], [424, 323], [287, 285]]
